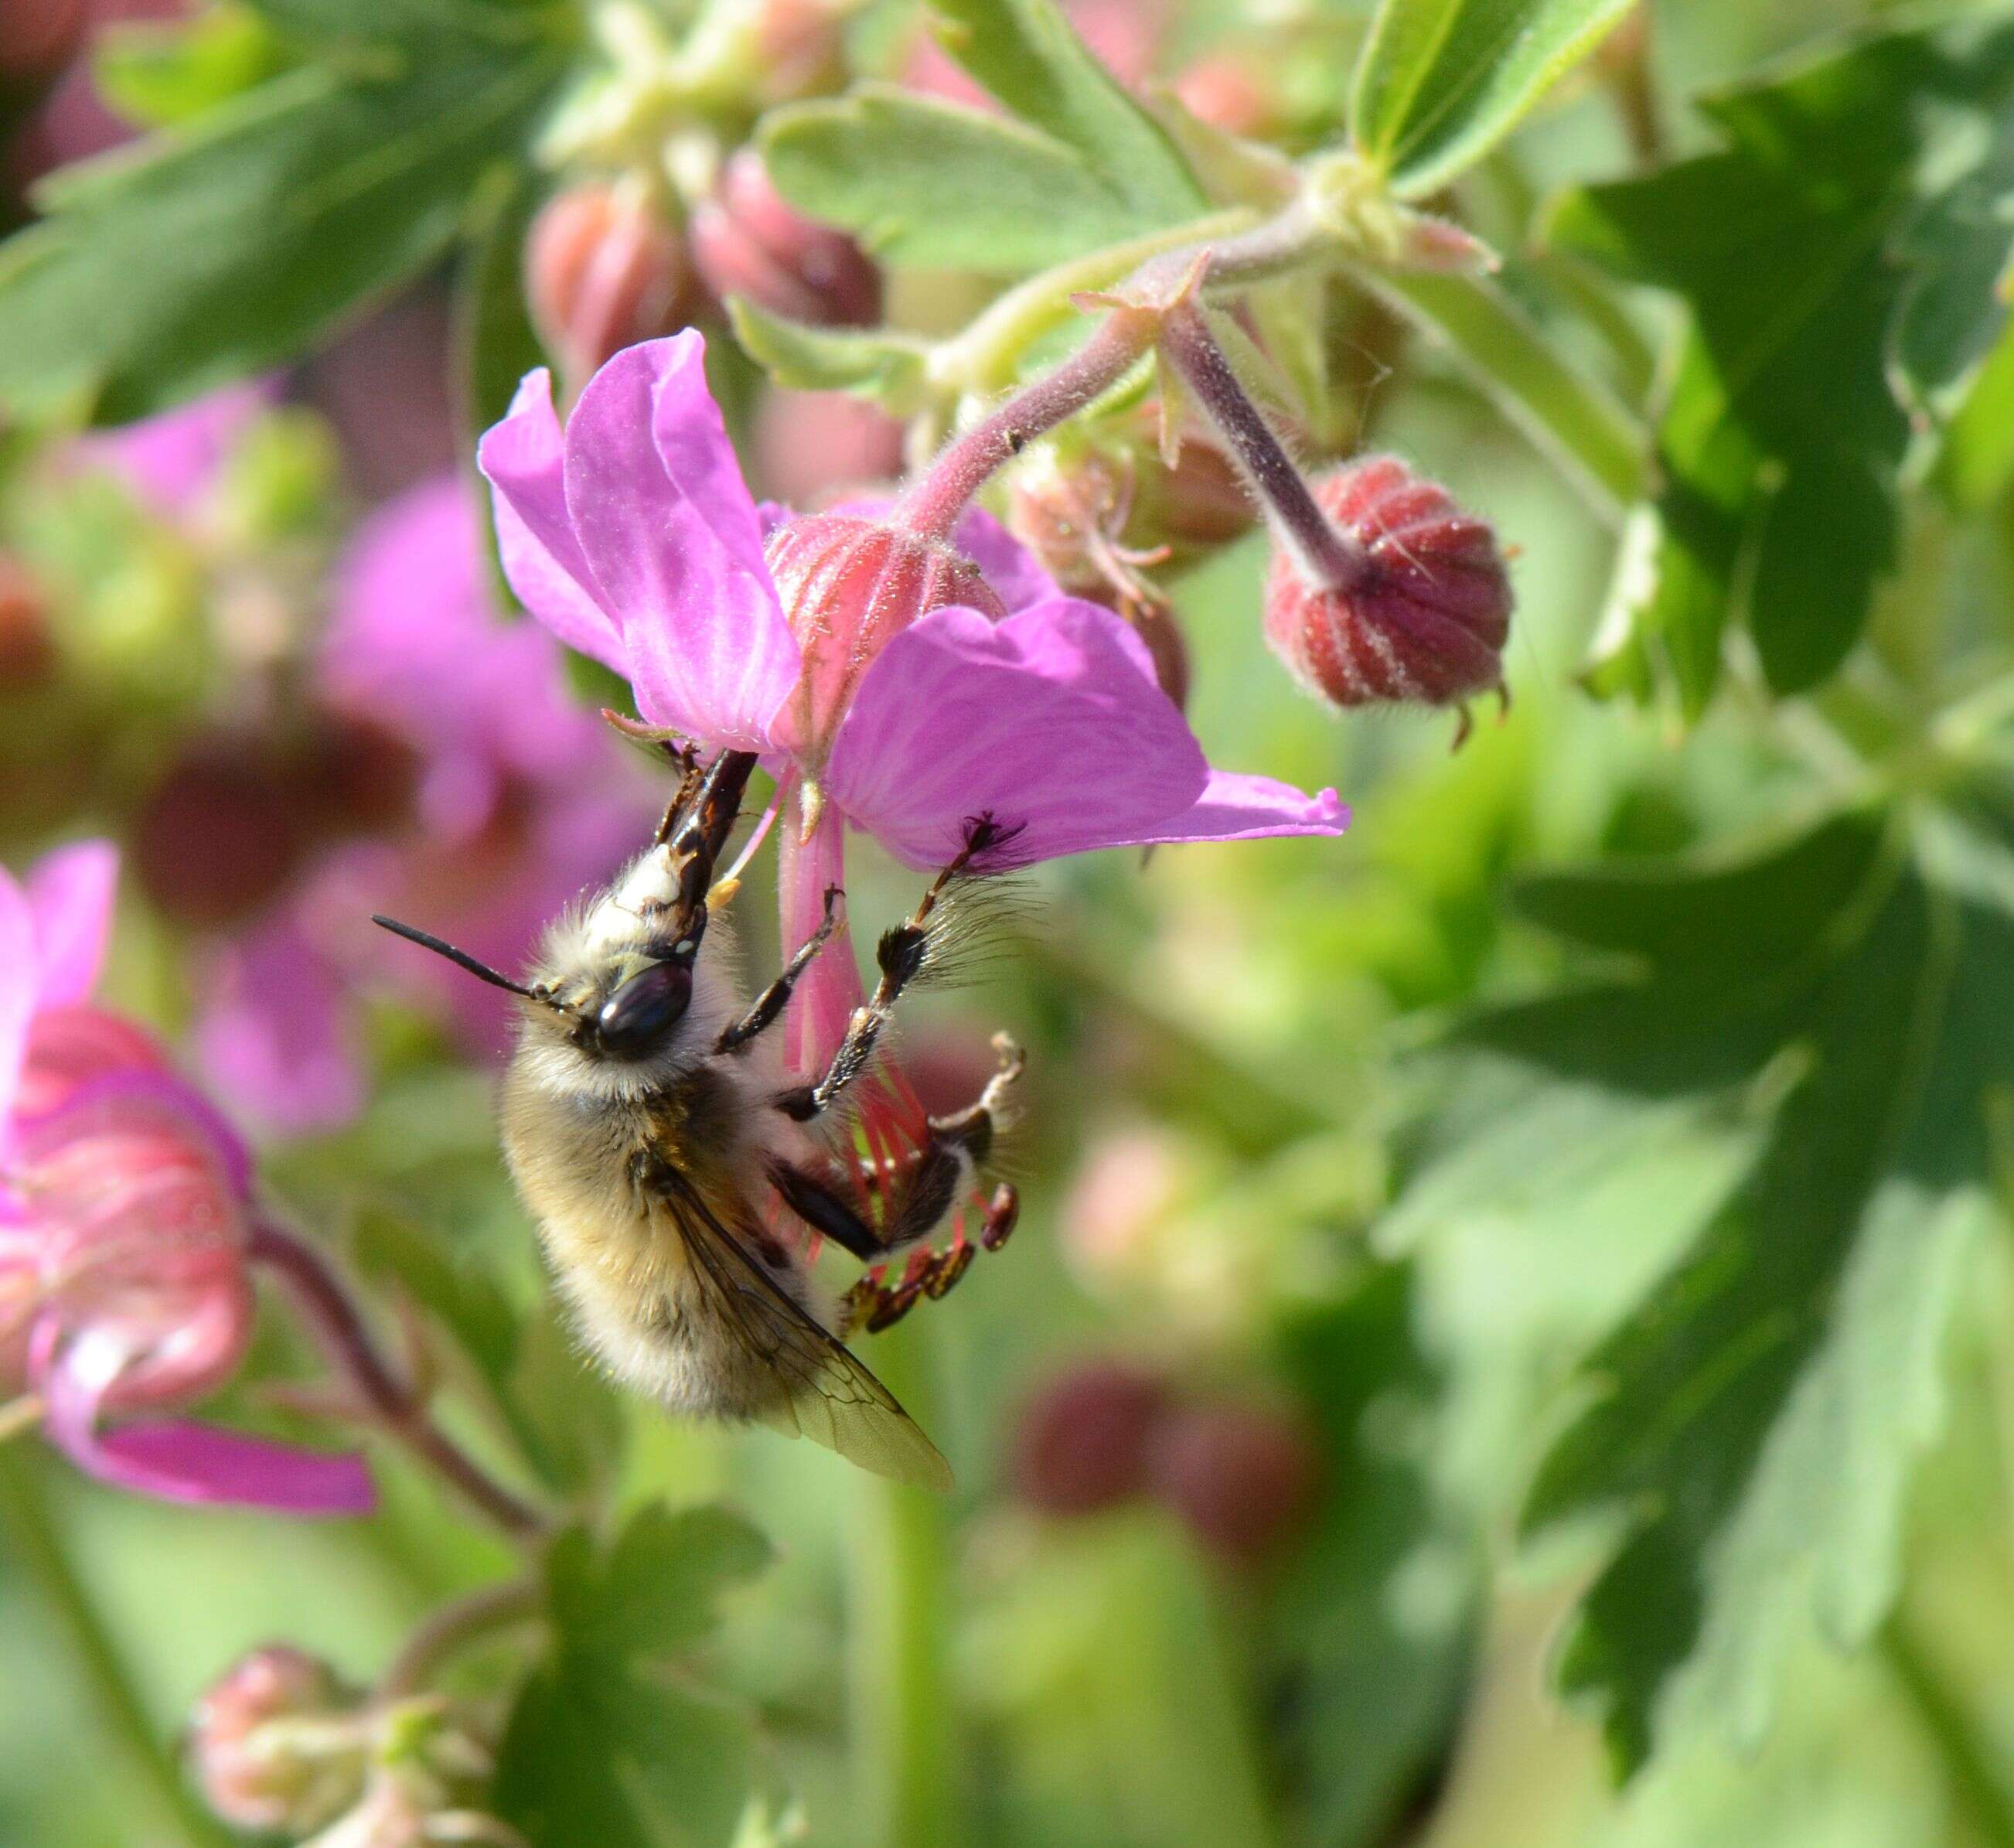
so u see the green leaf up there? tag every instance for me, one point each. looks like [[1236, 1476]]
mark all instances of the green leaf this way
[[238, 243], [1845, 206], [1440, 82], [886, 367], [496, 344], [930, 184], [156, 75], [1026, 53], [1374, 1625], [1783, 1124], [601, 1747]]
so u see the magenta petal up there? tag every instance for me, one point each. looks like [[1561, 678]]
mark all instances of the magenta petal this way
[[1006, 564], [275, 1036], [667, 528], [521, 458], [1049, 721], [181, 1462], [1236, 808], [17, 986], [171, 459], [70, 896]]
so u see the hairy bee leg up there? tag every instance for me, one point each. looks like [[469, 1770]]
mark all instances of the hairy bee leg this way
[[771, 1003], [900, 955]]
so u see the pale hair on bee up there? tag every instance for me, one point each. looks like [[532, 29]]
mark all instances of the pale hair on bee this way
[[676, 1174]]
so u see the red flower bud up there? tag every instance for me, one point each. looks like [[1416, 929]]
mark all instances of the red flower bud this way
[[260, 1759], [26, 654], [1083, 1440], [747, 241], [218, 837], [603, 270], [849, 585], [1424, 608], [800, 46], [1245, 1480]]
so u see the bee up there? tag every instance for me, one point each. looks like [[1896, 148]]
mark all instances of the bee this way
[[675, 1175]]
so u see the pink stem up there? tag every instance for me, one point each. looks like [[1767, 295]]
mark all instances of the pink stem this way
[[330, 1312]]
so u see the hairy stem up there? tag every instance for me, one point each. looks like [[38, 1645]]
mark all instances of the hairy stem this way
[[907, 1769], [36, 1550], [455, 1627], [330, 1312], [1327, 557]]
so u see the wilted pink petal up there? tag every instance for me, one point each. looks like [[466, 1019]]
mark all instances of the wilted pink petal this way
[[670, 533], [1049, 722], [171, 461], [69, 894], [274, 1036]]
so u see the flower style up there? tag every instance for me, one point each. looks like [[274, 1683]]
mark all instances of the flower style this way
[[894, 684], [520, 798], [124, 1284]]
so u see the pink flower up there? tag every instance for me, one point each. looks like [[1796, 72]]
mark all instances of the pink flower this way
[[171, 461], [894, 683], [521, 799], [632, 537], [123, 1281]]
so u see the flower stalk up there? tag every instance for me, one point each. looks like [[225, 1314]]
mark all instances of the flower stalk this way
[[330, 1312]]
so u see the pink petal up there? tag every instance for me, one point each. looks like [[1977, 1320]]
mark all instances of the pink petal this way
[[1239, 807], [179, 1461], [273, 1036], [18, 986], [70, 895], [171, 461], [1049, 721], [521, 458], [667, 528]]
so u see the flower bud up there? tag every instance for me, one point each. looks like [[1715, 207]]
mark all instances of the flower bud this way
[[1227, 93], [217, 838], [28, 655], [1244, 1479], [1083, 1440], [603, 270], [1199, 504], [813, 447], [800, 47], [747, 241], [849, 584], [262, 1757], [38, 36], [1426, 608]]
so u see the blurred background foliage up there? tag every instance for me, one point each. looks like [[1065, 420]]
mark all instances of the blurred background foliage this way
[[1554, 1233]]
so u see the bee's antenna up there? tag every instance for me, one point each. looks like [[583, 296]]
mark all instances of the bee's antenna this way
[[481, 971]]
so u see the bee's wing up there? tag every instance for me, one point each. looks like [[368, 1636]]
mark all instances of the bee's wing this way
[[829, 1396]]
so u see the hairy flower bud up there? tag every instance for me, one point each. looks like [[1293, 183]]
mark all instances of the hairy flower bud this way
[[1418, 610], [603, 270], [263, 1755], [747, 241], [1244, 1478], [38, 36], [1083, 1440], [217, 838], [849, 584]]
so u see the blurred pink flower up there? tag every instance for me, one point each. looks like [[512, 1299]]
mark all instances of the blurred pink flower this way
[[123, 1280], [171, 461], [522, 800], [900, 686], [1125, 35]]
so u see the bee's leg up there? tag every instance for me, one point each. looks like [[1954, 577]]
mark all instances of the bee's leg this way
[[771, 1003], [901, 954]]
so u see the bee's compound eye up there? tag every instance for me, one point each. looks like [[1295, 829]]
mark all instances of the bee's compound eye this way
[[645, 1007]]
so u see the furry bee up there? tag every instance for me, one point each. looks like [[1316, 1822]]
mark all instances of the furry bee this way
[[669, 1166]]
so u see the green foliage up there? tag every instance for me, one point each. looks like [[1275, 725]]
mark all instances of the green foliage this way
[[239, 240], [886, 366], [1441, 81], [930, 184], [1803, 251], [604, 1745], [1750, 1424]]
